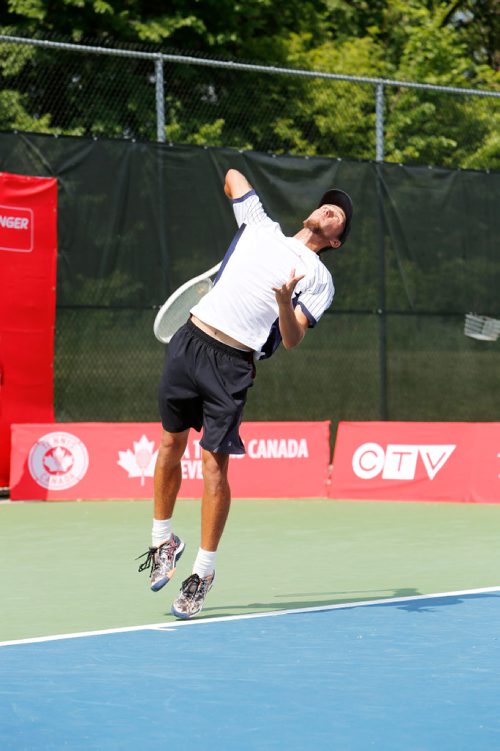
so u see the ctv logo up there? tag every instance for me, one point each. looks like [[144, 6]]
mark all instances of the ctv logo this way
[[399, 461], [16, 229]]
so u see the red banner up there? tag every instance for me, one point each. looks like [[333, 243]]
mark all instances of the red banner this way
[[28, 253], [70, 461], [419, 461]]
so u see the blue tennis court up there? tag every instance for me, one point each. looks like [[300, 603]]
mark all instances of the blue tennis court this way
[[409, 673]]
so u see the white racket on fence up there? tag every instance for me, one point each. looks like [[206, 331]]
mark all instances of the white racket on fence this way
[[175, 311], [482, 327]]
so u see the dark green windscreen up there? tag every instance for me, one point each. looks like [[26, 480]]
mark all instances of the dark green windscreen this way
[[136, 220]]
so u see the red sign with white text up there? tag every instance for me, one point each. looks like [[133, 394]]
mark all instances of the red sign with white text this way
[[28, 256], [16, 229], [417, 461], [69, 461]]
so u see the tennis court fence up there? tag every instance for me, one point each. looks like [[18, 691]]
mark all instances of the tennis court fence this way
[[62, 88], [137, 219]]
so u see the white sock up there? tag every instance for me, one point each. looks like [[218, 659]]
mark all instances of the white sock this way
[[162, 530], [204, 564]]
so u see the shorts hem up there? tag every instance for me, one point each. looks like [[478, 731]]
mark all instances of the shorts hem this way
[[223, 450]]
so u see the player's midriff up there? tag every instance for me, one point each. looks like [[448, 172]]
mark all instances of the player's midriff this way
[[219, 335]]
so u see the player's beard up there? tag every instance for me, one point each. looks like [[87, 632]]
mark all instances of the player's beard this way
[[314, 226]]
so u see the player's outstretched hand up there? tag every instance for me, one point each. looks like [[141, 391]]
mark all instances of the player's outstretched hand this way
[[285, 292]]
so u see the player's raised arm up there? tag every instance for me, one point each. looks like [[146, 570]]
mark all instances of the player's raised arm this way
[[293, 324], [236, 184]]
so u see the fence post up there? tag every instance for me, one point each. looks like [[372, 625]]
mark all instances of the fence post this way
[[160, 100], [381, 311], [382, 319], [379, 123]]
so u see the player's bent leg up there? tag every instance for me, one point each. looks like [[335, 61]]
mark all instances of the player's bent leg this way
[[216, 500], [161, 560], [168, 472], [215, 507]]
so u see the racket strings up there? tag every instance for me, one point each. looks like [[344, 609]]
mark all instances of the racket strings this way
[[175, 313]]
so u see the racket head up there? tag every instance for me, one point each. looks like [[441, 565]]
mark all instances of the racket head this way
[[482, 328], [175, 311]]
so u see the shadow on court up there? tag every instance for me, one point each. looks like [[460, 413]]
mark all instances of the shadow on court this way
[[431, 604], [425, 605], [332, 598]]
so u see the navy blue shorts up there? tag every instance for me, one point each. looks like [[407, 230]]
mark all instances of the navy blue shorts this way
[[204, 385]]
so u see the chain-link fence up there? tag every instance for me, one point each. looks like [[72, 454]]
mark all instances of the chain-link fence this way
[[61, 88]]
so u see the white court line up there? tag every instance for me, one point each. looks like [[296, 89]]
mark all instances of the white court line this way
[[173, 625]]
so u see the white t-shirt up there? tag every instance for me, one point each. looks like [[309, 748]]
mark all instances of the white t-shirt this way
[[242, 303]]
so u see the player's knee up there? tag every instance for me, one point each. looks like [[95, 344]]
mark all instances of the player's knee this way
[[215, 467], [172, 446]]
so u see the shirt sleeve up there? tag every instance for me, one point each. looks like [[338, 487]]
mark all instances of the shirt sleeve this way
[[249, 210], [315, 300]]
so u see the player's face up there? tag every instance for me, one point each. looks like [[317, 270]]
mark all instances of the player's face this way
[[332, 219], [328, 221]]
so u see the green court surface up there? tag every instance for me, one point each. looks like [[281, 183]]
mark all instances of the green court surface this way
[[69, 567]]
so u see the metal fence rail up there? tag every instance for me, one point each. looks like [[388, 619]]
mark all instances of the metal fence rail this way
[[64, 88]]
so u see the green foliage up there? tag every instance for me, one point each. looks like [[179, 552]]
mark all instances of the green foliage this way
[[487, 156], [209, 134], [432, 127], [342, 113], [431, 41], [13, 115]]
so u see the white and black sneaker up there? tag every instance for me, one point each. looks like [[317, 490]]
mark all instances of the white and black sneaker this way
[[162, 561], [192, 596]]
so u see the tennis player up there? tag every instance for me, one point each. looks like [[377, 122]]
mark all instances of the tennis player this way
[[270, 289]]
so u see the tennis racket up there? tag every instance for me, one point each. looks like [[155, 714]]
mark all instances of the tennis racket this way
[[175, 311], [481, 327]]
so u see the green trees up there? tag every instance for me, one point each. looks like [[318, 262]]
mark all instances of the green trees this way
[[440, 43]]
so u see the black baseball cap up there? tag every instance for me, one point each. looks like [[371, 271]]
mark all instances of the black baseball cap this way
[[340, 198]]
